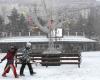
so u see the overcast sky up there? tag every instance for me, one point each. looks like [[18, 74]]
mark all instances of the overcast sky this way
[[48, 2]]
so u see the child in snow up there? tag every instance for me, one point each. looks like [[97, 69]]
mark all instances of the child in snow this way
[[10, 62], [26, 60]]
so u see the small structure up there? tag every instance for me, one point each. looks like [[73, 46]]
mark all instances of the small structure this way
[[40, 43]]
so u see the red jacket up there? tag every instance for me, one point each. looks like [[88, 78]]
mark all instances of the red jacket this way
[[9, 57]]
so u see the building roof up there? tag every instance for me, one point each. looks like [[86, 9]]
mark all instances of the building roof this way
[[44, 39]]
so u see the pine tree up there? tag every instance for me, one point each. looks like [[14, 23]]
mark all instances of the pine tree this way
[[23, 24], [14, 20], [17, 22]]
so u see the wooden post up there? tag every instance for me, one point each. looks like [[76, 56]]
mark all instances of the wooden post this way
[[29, 33], [39, 33], [6, 34], [83, 34], [2, 34], [19, 33], [10, 34], [76, 33], [68, 33]]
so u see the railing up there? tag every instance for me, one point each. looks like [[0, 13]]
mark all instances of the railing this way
[[74, 33], [15, 34]]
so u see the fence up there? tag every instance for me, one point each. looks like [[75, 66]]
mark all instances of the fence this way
[[52, 59], [15, 34]]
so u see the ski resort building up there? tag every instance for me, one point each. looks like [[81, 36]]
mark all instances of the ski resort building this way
[[40, 43]]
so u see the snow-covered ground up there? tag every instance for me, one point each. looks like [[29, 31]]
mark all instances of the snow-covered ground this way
[[89, 70]]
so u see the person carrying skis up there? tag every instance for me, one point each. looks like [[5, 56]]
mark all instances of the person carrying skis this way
[[25, 59], [10, 61]]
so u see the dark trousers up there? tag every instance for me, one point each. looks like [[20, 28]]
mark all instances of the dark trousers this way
[[23, 66]]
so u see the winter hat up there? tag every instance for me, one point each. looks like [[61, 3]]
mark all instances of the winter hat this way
[[28, 44], [13, 47]]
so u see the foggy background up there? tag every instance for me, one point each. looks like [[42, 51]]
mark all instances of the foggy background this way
[[82, 16]]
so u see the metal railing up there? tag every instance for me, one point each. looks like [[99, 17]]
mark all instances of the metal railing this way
[[16, 34]]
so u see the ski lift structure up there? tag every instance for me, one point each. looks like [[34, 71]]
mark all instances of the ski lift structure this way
[[50, 29]]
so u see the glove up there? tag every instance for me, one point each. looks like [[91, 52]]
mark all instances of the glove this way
[[28, 60]]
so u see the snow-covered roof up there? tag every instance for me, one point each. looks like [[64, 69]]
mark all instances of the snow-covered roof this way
[[44, 39]]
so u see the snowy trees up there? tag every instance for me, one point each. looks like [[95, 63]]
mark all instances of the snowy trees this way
[[69, 19], [23, 24], [17, 22], [78, 20], [2, 25], [13, 20]]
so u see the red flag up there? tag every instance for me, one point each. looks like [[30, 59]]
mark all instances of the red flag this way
[[30, 20], [50, 24]]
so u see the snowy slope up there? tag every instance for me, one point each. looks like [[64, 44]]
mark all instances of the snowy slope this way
[[90, 70]]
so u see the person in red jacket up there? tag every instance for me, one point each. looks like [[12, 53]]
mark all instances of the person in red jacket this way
[[10, 62]]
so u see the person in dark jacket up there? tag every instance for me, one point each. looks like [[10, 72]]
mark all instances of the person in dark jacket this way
[[26, 60], [10, 62]]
